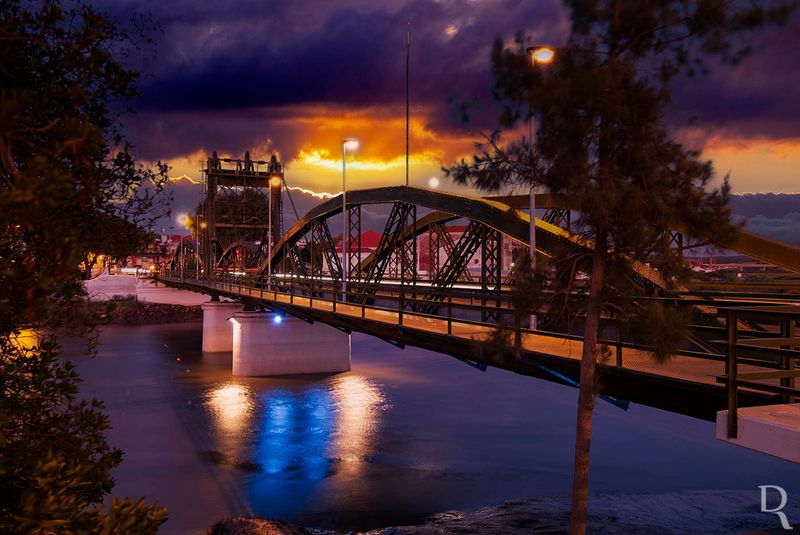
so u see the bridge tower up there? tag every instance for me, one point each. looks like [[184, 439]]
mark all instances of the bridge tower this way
[[240, 197]]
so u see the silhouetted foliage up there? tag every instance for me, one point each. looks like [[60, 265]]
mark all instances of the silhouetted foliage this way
[[67, 176], [64, 163], [112, 236]]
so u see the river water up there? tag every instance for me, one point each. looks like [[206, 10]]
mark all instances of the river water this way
[[405, 434]]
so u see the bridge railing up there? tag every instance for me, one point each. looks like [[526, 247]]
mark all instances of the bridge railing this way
[[778, 343]]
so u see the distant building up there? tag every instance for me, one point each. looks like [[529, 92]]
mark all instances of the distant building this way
[[370, 240], [154, 255]]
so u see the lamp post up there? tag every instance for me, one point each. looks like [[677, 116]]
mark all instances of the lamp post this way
[[543, 54], [275, 182], [347, 143], [183, 220], [164, 240], [201, 230]]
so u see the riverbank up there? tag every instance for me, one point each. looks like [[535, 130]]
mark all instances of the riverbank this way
[[133, 312], [695, 512]]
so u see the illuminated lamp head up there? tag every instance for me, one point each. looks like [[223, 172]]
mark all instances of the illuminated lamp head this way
[[541, 53]]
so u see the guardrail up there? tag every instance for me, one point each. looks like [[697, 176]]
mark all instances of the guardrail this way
[[782, 343]]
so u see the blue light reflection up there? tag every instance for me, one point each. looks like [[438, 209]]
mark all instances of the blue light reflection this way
[[306, 435]]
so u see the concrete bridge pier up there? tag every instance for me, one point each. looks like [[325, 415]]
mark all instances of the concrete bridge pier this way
[[217, 332], [269, 343]]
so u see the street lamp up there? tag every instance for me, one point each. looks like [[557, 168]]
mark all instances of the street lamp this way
[[204, 242], [275, 182], [352, 144], [544, 55], [183, 220]]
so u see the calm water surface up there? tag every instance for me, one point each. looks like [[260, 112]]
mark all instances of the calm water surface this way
[[405, 434]]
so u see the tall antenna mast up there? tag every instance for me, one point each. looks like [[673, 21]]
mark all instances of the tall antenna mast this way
[[408, 49]]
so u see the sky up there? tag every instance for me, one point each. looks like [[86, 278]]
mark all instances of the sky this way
[[296, 77]]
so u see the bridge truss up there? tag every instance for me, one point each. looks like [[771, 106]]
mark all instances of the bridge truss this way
[[241, 210]]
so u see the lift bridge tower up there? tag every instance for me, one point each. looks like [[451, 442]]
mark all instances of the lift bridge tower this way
[[242, 203]]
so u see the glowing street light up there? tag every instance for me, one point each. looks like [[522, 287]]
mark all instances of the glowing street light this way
[[352, 144], [183, 220], [542, 54]]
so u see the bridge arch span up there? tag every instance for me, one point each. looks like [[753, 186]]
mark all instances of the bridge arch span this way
[[494, 213]]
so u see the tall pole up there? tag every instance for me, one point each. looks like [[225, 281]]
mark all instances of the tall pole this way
[[345, 230], [532, 194], [408, 55], [197, 228], [543, 54], [269, 238], [181, 257]]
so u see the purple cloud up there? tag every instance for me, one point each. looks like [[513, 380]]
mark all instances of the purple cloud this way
[[226, 74]]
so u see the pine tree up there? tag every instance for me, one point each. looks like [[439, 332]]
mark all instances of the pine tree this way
[[604, 144]]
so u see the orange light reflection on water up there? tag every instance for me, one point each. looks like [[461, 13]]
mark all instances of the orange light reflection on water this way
[[359, 406], [231, 406], [301, 432]]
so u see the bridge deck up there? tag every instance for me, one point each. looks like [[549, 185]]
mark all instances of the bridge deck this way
[[685, 384], [677, 367]]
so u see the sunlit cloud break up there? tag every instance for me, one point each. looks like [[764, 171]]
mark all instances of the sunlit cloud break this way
[[185, 177], [323, 158], [312, 193]]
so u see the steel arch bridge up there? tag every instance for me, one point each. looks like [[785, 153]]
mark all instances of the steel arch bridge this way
[[491, 221], [489, 217], [387, 295]]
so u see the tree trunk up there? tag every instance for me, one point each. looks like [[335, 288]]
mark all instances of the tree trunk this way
[[88, 264], [586, 397]]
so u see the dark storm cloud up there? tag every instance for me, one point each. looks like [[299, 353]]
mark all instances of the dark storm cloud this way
[[785, 229], [757, 98], [248, 55], [169, 134], [224, 71], [352, 55], [774, 205], [769, 214]]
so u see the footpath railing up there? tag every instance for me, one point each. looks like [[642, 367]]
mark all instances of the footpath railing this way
[[776, 344]]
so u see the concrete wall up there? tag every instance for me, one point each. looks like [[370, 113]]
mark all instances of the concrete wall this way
[[217, 327], [771, 429], [264, 345], [148, 291], [106, 287]]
